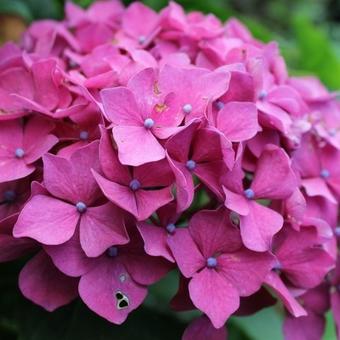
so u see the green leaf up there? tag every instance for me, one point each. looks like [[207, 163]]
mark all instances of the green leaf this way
[[265, 324], [16, 7], [316, 53], [330, 333]]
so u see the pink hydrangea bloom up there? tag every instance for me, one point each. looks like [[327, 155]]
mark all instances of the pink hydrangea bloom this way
[[134, 142]]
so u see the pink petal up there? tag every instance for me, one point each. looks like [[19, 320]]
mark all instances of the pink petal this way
[[72, 180], [318, 187], [214, 295], [309, 327], [277, 184], [137, 145], [42, 283], [245, 270], [186, 253], [120, 107], [275, 283], [100, 286], [238, 121], [259, 226], [148, 201], [121, 195], [70, 258], [202, 329], [184, 185], [155, 240], [100, 228], [47, 220], [236, 202], [213, 233]]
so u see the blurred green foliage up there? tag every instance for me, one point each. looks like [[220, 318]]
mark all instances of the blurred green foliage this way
[[308, 32]]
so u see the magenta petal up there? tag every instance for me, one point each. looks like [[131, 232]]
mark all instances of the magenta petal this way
[[137, 145], [335, 306], [148, 201], [121, 195], [245, 269], [72, 180], [275, 283], [41, 282], [186, 253], [259, 226], [309, 327], [12, 169], [100, 287], [155, 240], [47, 220], [274, 177], [145, 269], [318, 187], [184, 185], [214, 295], [70, 258], [100, 228], [238, 121], [213, 233], [120, 107], [236, 202], [202, 329]]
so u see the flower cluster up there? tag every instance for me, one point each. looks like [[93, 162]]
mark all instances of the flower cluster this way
[[133, 143]]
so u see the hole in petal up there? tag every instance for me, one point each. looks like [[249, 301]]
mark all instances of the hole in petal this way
[[122, 300], [234, 218], [219, 105]]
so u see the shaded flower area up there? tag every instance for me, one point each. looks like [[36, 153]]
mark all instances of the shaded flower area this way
[[136, 143]]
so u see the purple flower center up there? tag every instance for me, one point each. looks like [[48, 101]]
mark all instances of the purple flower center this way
[[190, 164], [324, 173], [112, 251], [141, 39], [262, 95], [134, 185], [19, 153], [171, 228], [81, 207], [84, 135], [9, 196], [211, 262], [249, 193], [187, 108], [219, 105], [337, 231], [148, 123], [332, 132], [277, 266]]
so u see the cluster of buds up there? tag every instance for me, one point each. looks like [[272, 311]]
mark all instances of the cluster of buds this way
[[135, 143]]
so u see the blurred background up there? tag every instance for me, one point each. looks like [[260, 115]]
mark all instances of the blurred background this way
[[308, 32]]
